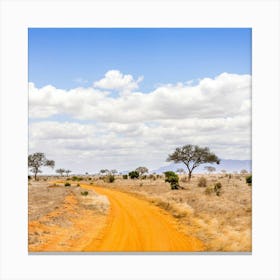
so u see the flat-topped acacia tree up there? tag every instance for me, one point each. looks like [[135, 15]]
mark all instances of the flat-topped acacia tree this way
[[36, 160], [60, 171], [193, 156]]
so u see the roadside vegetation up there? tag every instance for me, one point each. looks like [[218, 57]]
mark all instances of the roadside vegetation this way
[[215, 206]]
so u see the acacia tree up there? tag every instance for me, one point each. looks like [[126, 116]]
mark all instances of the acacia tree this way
[[104, 171], [210, 169], [67, 172], [142, 170], [244, 171], [36, 160], [193, 156], [60, 171]]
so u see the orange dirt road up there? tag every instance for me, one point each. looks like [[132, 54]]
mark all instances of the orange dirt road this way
[[135, 225]]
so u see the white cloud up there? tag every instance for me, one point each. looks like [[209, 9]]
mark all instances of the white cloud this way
[[115, 80], [225, 96], [141, 129]]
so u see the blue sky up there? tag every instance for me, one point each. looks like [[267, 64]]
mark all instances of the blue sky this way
[[67, 58], [123, 98]]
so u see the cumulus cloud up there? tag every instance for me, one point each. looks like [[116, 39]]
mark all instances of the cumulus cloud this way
[[138, 128], [115, 80], [224, 96]]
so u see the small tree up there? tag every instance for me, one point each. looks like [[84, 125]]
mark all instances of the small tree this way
[[67, 172], [142, 170], [36, 160], [133, 174], [193, 156], [223, 171], [104, 171], [60, 171], [243, 172], [172, 178], [210, 169], [113, 171]]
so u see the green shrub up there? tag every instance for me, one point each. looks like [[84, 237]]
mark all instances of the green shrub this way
[[172, 178], [217, 188], [85, 193], [67, 184], [125, 177], [89, 178], [133, 174], [111, 178], [249, 180], [74, 178], [202, 182]]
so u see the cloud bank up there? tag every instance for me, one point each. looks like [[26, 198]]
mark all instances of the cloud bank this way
[[134, 128]]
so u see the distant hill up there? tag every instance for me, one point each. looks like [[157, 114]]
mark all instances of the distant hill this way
[[230, 165]]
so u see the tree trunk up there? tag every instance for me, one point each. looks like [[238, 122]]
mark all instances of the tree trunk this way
[[190, 175], [35, 176]]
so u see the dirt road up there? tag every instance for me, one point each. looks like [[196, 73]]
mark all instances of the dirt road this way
[[135, 225]]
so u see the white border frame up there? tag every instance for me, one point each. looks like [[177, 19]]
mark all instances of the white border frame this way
[[17, 15]]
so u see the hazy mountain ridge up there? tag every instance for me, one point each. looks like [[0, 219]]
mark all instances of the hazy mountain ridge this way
[[230, 165]]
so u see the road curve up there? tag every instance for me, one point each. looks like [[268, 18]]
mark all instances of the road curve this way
[[135, 225]]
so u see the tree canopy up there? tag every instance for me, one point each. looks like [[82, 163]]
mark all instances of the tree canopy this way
[[142, 170], [193, 156], [60, 171], [36, 160]]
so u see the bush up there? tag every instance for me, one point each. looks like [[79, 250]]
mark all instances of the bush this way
[[74, 178], [133, 174], [125, 177], [249, 180], [78, 185], [217, 188], [202, 182], [85, 193], [172, 178], [111, 178], [209, 190], [29, 177], [67, 184]]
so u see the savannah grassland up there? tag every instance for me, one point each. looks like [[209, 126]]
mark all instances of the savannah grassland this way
[[65, 218]]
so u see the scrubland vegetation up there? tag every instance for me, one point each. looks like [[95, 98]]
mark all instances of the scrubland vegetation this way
[[215, 207]]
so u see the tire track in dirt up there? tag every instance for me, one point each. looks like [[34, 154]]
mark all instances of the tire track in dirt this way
[[135, 225]]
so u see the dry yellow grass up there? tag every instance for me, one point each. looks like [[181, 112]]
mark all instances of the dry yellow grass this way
[[222, 223]]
